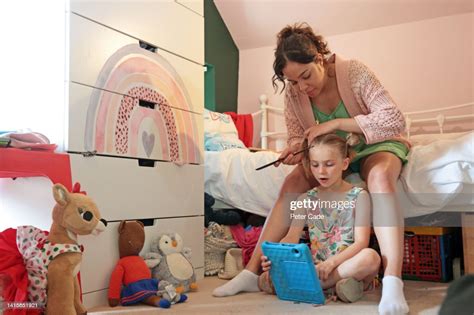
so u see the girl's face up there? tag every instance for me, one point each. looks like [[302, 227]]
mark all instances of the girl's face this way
[[327, 165], [309, 78]]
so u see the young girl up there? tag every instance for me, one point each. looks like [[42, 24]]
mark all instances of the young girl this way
[[338, 218]]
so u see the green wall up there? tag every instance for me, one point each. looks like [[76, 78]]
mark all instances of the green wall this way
[[222, 53]]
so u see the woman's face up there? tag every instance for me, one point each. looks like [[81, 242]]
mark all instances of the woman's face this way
[[309, 78], [327, 164]]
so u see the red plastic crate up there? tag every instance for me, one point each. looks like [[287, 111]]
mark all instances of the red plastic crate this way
[[425, 257]]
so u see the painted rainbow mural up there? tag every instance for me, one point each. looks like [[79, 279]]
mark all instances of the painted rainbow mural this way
[[165, 128]]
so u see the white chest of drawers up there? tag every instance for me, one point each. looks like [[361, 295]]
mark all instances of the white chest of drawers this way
[[128, 86]]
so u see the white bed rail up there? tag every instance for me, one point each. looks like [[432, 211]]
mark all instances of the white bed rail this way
[[264, 133], [440, 119]]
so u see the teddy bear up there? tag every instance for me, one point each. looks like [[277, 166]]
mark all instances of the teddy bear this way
[[172, 262], [132, 272]]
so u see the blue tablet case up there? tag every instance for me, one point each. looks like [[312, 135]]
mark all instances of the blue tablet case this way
[[293, 273]]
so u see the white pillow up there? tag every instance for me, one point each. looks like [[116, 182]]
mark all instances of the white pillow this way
[[217, 124], [218, 143], [220, 132]]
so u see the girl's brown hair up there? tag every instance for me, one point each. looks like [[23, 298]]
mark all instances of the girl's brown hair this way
[[297, 43], [331, 139]]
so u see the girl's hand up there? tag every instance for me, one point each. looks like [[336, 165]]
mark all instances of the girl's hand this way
[[320, 129], [289, 158], [266, 264], [324, 269]]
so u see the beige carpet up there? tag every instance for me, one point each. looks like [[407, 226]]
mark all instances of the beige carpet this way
[[423, 298]]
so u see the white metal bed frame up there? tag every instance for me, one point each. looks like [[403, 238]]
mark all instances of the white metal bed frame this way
[[440, 119]]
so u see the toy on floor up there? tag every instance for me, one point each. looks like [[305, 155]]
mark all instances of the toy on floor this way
[[53, 260], [174, 262], [168, 292], [74, 214], [132, 271]]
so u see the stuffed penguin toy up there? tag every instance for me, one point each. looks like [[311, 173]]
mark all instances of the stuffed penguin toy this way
[[174, 262]]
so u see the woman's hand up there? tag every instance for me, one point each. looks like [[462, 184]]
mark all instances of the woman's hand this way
[[321, 129], [266, 264], [324, 269], [289, 158]]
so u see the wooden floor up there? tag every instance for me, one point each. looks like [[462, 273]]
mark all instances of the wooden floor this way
[[423, 298]]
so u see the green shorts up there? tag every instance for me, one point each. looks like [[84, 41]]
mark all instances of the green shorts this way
[[395, 147]]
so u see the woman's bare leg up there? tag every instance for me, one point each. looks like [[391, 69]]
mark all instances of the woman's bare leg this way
[[381, 171], [275, 228], [278, 222]]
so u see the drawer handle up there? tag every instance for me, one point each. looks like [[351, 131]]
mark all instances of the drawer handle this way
[[147, 46], [146, 163], [89, 153], [146, 104], [147, 222]]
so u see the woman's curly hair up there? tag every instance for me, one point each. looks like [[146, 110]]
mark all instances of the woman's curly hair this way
[[296, 43]]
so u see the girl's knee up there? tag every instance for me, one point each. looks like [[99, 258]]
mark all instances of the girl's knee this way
[[371, 258]]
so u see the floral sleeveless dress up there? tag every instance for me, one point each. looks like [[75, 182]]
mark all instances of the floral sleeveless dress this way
[[334, 232]]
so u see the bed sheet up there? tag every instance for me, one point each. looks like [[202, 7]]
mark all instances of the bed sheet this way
[[438, 177], [230, 176]]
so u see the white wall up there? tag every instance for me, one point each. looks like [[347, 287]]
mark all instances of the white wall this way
[[26, 201], [33, 63], [424, 64]]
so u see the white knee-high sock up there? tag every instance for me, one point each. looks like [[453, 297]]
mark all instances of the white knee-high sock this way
[[245, 281], [393, 300]]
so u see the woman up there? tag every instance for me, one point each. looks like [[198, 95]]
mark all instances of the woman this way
[[325, 94]]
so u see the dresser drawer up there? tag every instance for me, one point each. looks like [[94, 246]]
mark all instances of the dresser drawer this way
[[121, 125], [164, 23], [101, 252], [122, 189], [106, 59], [192, 76]]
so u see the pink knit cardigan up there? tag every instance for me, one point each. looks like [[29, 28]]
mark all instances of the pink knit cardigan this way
[[365, 99]]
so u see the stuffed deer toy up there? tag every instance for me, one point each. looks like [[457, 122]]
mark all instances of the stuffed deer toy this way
[[74, 214], [53, 261]]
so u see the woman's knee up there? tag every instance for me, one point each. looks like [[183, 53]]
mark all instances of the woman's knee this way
[[381, 180]]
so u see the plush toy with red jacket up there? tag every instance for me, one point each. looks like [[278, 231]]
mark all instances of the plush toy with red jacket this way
[[131, 281]]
